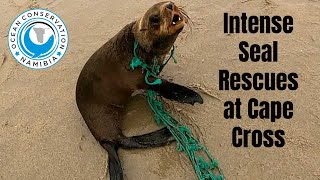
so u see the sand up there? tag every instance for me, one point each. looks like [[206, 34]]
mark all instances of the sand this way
[[43, 136]]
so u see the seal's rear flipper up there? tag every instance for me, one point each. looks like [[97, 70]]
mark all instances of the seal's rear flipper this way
[[158, 138], [177, 93], [115, 169]]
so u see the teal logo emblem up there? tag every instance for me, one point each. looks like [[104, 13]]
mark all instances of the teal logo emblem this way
[[38, 39]]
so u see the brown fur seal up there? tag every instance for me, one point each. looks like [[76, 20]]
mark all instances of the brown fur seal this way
[[106, 82]]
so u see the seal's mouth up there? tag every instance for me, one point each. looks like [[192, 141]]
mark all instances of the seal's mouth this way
[[176, 19], [170, 20]]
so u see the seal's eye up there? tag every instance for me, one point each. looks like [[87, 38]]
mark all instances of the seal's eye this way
[[154, 20]]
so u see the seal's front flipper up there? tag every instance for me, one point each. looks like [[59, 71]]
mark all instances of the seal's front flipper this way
[[177, 92], [115, 170], [158, 138]]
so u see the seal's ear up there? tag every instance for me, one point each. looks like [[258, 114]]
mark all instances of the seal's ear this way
[[140, 33], [143, 26]]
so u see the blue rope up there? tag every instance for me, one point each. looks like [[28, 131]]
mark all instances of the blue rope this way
[[150, 71], [203, 166]]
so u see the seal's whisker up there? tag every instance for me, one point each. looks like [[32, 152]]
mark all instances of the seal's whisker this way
[[183, 11], [186, 16]]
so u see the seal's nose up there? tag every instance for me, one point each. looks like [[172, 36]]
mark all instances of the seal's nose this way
[[170, 6]]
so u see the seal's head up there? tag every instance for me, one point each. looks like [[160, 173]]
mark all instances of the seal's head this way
[[157, 30]]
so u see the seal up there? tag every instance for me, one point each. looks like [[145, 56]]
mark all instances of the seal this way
[[106, 82]]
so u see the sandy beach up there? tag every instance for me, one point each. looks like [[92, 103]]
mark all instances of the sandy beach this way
[[42, 133]]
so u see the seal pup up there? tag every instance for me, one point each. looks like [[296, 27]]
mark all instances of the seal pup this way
[[106, 82]]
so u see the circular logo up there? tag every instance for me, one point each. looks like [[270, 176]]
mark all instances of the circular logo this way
[[38, 38]]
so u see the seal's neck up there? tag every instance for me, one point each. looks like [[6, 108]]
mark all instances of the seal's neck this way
[[149, 58]]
